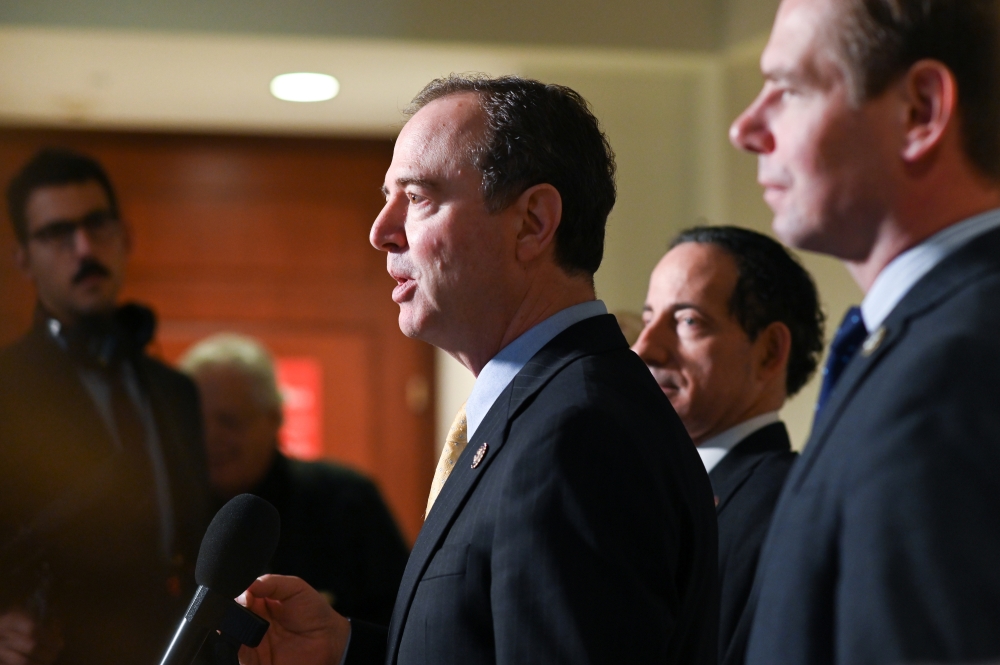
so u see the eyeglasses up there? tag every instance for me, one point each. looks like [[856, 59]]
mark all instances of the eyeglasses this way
[[100, 226]]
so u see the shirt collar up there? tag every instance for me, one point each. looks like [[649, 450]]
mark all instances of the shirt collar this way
[[903, 272], [714, 449], [504, 366]]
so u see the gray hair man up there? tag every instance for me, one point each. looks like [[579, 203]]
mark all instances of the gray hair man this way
[[337, 534]]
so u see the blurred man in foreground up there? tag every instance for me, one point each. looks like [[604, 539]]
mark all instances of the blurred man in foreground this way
[[878, 140], [336, 532], [105, 493], [732, 329], [570, 519]]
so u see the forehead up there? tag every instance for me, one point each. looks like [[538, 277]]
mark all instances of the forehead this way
[[801, 43], [220, 383], [696, 273], [437, 137], [64, 202]]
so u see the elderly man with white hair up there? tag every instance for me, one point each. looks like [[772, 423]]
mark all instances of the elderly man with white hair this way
[[336, 531]]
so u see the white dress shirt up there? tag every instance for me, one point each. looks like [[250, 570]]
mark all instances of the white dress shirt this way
[[714, 449]]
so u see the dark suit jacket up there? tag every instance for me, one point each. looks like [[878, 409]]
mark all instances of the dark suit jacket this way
[[746, 482], [119, 600], [885, 543], [337, 534], [586, 534]]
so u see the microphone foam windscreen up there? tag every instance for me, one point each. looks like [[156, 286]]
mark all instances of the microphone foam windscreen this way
[[238, 544]]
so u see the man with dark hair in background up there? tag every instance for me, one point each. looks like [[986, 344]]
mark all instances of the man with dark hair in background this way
[[570, 519], [105, 493], [337, 534], [732, 329], [878, 140]]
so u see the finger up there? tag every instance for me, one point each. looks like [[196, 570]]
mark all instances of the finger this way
[[18, 643], [248, 656], [276, 587], [16, 622], [11, 657]]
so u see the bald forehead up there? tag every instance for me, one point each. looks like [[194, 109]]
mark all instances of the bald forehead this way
[[454, 122]]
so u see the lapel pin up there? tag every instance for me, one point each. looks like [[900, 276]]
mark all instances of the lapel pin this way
[[873, 342], [480, 454]]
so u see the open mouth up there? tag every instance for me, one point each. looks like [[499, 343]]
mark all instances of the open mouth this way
[[404, 289]]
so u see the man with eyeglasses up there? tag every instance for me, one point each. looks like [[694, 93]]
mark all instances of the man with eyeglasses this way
[[104, 495]]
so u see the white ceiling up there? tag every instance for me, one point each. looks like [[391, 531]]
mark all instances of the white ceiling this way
[[200, 82]]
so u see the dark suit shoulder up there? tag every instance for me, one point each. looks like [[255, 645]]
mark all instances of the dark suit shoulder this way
[[328, 476], [747, 482], [758, 463], [890, 514]]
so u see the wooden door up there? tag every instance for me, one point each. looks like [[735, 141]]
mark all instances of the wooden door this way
[[267, 236]]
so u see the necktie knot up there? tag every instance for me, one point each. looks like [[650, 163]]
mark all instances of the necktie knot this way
[[848, 339]]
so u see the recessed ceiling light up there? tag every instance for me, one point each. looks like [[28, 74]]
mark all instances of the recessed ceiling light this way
[[304, 87]]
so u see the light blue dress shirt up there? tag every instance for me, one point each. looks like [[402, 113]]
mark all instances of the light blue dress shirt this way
[[904, 271], [504, 366]]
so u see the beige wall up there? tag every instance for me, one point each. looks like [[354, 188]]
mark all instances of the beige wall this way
[[651, 24]]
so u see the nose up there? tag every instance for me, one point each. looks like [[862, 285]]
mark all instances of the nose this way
[[653, 345], [750, 131], [388, 232], [82, 242]]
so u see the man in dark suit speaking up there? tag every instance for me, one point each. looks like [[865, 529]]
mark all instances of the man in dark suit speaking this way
[[878, 138], [570, 519], [732, 329]]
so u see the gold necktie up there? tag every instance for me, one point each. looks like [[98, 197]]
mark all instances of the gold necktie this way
[[454, 444]]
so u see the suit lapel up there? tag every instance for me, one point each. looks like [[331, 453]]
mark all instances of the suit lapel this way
[[589, 336], [734, 469], [967, 264]]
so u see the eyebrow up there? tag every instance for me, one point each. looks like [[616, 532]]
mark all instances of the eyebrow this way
[[779, 74], [676, 307], [93, 214], [419, 182]]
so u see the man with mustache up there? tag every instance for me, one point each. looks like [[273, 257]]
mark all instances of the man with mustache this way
[[877, 132], [570, 520], [105, 494], [732, 329]]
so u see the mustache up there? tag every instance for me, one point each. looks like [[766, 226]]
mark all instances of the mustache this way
[[90, 268]]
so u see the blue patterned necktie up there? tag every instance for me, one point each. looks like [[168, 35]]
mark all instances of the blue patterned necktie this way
[[849, 338]]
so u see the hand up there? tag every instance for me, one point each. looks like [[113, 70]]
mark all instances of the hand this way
[[304, 628], [23, 640]]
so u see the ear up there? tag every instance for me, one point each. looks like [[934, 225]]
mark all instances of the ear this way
[[772, 348], [931, 94], [540, 211]]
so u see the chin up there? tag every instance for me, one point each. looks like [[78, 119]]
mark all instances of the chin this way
[[408, 327]]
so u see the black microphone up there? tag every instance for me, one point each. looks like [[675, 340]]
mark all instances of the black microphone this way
[[236, 549]]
